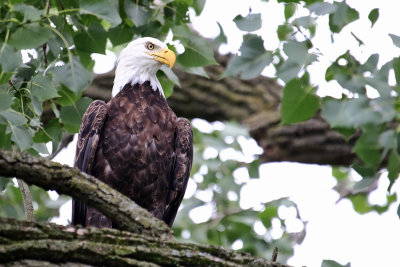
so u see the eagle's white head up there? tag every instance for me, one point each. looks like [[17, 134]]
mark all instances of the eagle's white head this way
[[139, 62]]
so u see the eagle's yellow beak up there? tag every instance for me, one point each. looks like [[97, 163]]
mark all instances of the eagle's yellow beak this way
[[166, 57]]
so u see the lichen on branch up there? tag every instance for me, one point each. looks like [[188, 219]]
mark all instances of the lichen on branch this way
[[71, 181]]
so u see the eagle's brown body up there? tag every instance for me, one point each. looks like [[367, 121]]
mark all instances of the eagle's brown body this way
[[137, 145]]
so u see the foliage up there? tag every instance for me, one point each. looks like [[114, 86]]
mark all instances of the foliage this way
[[216, 193], [356, 111], [58, 38], [45, 208]]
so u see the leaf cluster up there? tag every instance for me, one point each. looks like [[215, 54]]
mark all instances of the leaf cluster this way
[[371, 120], [45, 59], [218, 189]]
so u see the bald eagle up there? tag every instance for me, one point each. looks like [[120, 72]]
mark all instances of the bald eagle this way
[[135, 143]]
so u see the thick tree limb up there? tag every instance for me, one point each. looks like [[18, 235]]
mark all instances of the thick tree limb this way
[[38, 244], [256, 104], [149, 241], [71, 181]]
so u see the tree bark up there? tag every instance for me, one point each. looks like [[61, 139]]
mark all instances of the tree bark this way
[[256, 104], [71, 181], [38, 244], [149, 241]]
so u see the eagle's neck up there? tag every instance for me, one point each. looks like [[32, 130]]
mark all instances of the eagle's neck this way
[[129, 72]]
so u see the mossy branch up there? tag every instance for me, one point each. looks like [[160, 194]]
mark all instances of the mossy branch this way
[[71, 181], [149, 241], [37, 244]]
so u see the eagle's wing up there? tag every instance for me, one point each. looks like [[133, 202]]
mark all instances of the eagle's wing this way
[[181, 169], [88, 139]]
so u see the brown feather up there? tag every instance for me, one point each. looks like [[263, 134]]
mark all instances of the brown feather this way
[[141, 149]]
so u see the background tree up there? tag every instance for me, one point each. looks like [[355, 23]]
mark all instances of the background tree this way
[[43, 98]]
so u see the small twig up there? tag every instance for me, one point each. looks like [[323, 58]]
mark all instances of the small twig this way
[[61, 4], [45, 55], [66, 139], [27, 198], [12, 85], [274, 254], [47, 7]]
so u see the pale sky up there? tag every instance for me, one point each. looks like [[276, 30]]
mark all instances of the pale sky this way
[[334, 230]]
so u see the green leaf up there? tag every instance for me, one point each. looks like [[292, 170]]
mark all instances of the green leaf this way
[[395, 39], [30, 13], [6, 101], [51, 132], [322, 8], [221, 38], [251, 22], [298, 58], [284, 32], [385, 106], [13, 117], [373, 16], [67, 97], [340, 173], [5, 138], [197, 71], [363, 170], [396, 68], [93, 40], [73, 75], [198, 6], [71, 116], [349, 113], [30, 36], [371, 63], [269, 212], [4, 181], [296, 51], [140, 15], [21, 137], [393, 168], [306, 22], [332, 263], [5, 76], [299, 102], [43, 88], [342, 16], [253, 169], [170, 75], [388, 141], [120, 35], [290, 9], [40, 148], [364, 184], [198, 52], [398, 211], [367, 146], [37, 105], [10, 59], [252, 61], [167, 86], [102, 9]]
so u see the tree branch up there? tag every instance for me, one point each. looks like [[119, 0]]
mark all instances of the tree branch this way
[[29, 243], [27, 199], [71, 181]]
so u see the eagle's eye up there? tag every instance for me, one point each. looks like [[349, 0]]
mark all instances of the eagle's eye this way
[[150, 46]]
